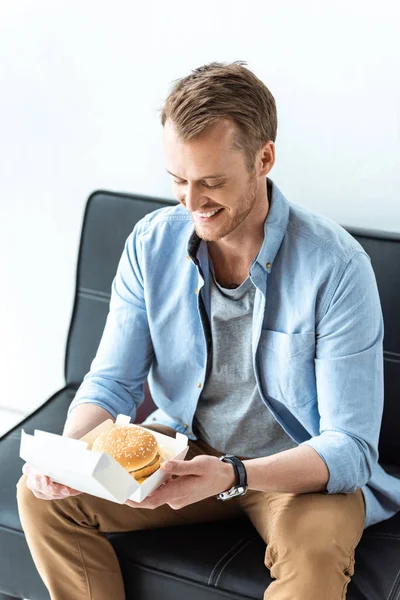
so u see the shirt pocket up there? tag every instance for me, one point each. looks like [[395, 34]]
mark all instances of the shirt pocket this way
[[286, 366]]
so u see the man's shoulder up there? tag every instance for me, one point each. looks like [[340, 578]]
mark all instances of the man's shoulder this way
[[309, 228]]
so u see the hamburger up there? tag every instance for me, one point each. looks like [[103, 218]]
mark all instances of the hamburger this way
[[133, 447]]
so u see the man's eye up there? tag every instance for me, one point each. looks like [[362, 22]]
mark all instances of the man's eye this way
[[213, 187], [210, 187]]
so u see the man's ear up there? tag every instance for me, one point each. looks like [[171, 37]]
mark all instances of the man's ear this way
[[266, 159]]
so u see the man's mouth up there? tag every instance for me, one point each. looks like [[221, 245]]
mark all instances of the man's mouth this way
[[205, 216]]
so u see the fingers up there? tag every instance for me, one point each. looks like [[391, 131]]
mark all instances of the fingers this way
[[52, 497], [195, 466], [44, 488], [149, 496], [133, 504], [152, 500]]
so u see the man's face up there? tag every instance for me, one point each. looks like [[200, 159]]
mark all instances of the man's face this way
[[211, 179]]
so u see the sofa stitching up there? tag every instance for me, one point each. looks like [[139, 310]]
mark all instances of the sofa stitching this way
[[210, 579], [91, 297], [381, 536], [91, 291], [390, 597], [12, 530], [230, 559]]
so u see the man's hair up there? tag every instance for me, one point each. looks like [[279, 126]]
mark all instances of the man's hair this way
[[223, 91]]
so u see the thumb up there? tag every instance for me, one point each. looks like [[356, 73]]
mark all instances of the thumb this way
[[182, 467]]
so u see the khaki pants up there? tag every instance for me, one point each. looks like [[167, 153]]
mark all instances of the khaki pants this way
[[311, 538]]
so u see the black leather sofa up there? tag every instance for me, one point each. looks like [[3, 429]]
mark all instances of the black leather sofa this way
[[215, 561]]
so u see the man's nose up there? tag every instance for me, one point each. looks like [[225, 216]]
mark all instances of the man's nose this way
[[192, 197]]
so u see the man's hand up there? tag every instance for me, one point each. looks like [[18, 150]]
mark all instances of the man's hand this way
[[199, 478], [43, 487]]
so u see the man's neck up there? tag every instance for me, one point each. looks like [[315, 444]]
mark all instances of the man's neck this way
[[236, 252], [233, 255]]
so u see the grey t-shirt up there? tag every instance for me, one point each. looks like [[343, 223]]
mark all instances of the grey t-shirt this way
[[231, 416]]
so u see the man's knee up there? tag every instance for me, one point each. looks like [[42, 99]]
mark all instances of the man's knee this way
[[313, 570], [308, 549], [316, 536], [316, 551]]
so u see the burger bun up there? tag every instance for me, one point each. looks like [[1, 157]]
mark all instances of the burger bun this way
[[133, 447]]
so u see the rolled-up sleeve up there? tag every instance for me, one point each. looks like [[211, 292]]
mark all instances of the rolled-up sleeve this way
[[349, 376], [117, 374]]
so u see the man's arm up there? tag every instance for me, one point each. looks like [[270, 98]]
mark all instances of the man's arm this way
[[298, 470], [84, 418], [349, 378]]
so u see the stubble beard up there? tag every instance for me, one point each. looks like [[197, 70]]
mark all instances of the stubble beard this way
[[247, 203]]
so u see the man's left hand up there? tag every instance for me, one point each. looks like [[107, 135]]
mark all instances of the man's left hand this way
[[198, 478]]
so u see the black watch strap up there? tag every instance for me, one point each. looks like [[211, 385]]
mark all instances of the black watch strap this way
[[240, 486]]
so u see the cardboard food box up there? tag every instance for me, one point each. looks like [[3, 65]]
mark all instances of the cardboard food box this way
[[72, 463]]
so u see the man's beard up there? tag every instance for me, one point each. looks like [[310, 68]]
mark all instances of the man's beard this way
[[247, 204]]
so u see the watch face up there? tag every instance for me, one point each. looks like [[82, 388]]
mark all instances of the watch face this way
[[236, 490]]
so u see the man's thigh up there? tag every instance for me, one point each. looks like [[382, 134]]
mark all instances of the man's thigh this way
[[289, 522]]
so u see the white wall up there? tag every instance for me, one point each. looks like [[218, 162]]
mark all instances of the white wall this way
[[80, 86]]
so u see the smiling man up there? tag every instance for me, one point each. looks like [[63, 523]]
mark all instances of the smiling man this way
[[258, 325]]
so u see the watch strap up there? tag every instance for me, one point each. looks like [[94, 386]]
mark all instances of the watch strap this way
[[240, 486]]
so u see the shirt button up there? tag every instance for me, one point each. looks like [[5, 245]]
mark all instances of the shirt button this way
[[268, 265], [185, 425], [187, 256], [196, 291], [199, 384]]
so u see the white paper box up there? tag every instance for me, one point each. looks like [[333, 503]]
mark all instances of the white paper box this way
[[72, 463]]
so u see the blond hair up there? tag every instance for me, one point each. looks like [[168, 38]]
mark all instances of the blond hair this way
[[223, 91]]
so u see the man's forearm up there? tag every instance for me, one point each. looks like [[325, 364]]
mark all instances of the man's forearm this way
[[299, 470], [83, 418]]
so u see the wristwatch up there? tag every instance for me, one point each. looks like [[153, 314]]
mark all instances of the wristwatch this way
[[240, 488]]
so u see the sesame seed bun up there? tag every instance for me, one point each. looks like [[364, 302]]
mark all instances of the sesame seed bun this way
[[133, 447]]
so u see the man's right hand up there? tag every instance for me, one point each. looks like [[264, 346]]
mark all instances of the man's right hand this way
[[43, 487]]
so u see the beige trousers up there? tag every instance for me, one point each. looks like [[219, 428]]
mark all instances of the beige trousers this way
[[311, 538]]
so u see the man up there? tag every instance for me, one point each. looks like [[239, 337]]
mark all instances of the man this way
[[258, 324]]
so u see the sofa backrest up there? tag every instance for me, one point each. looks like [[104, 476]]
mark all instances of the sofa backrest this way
[[108, 220], [110, 217]]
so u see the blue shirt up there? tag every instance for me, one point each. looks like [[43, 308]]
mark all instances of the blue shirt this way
[[316, 340]]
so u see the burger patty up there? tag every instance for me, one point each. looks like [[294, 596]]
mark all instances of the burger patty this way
[[141, 474]]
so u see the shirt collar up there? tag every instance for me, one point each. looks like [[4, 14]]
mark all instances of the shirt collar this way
[[274, 227], [274, 230]]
